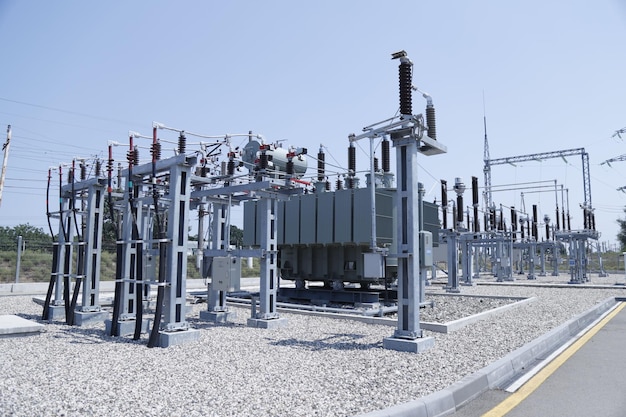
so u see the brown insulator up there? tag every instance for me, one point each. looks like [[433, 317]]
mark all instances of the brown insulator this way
[[385, 155], [405, 83]]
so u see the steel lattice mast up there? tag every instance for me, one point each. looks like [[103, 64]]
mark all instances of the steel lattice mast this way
[[538, 157]]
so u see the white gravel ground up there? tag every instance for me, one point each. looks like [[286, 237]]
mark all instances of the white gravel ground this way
[[315, 366]]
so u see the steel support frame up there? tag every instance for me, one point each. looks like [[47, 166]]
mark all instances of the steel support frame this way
[[177, 241], [216, 301], [93, 249], [130, 300], [269, 272], [408, 250]]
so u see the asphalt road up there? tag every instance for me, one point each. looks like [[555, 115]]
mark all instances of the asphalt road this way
[[587, 379]]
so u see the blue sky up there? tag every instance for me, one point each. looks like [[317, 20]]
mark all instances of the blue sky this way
[[77, 74]]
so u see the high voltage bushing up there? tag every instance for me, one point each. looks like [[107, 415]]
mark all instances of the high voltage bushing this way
[[83, 171], [404, 70], [263, 160], [321, 167], [133, 156], [385, 151], [338, 184], [182, 143], [535, 231], [98, 168], [430, 122], [156, 150], [351, 158], [290, 167], [230, 167], [475, 203]]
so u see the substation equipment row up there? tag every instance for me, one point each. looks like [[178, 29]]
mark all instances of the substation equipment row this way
[[299, 230], [354, 245], [503, 251]]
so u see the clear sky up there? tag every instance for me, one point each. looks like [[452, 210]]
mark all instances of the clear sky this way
[[77, 74]]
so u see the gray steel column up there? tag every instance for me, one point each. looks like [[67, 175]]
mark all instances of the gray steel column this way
[[93, 250], [453, 262], [466, 258], [129, 299], [177, 222], [269, 275], [408, 335], [216, 301], [64, 217]]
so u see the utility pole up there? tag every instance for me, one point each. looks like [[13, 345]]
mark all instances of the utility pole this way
[[5, 148]]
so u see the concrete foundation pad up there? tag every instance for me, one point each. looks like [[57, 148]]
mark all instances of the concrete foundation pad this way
[[168, 339], [217, 316], [408, 345], [56, 312], [88, 317], [267, 324], [12, 326], [127, 327]]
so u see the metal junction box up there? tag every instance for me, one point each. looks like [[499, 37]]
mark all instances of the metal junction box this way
[[226, 273], [426, 249]]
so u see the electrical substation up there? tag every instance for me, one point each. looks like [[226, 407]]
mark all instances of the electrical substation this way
[[371, 243]]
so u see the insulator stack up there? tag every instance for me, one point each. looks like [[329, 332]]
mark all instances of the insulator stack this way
[[155, 150], [83, 171], [182, 143], [230, 167], [70, 175], [513, 222], [98, 168], [321, 165], [338, 184], [547, 231], [593, 221], [492, 218], [203, 171], [289, 167], [327, 185], [351, 159], [558, 224], [569, 222], [469, 224], [375, 164], [521, 226], [501, 222], [263, 160], [406, 105], [136, 156], [459, 205], [535, 231], [585, 219], [444, 203], [430, 122], [385, 150], [474, 190], [563, 218], [133, 156]]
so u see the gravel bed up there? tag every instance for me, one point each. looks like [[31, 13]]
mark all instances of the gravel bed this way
[[315, 366]]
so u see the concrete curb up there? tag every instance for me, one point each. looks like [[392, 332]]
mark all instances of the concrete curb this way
[[448, 400], [431, 326]]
